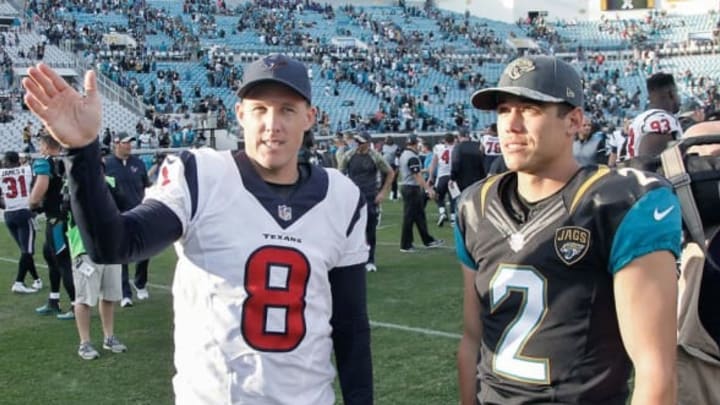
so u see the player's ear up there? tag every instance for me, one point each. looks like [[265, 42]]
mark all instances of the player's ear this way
[[311, 116], [574, 120], [239, 112]]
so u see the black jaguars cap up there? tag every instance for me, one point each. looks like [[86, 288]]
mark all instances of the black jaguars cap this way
[[277, 68], [541, 78]]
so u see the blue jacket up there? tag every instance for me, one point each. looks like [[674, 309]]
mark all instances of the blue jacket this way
[[130, 176]]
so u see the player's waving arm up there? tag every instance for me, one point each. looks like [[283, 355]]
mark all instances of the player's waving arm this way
[[74, 121]]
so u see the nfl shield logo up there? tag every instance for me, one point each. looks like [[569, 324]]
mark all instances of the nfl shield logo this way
[[571, 243], [284, 212]]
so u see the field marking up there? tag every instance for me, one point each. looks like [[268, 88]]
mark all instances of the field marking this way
[[404, 328], [422, 331], [417, 248]]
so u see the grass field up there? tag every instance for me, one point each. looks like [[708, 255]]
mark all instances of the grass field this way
[[410, 298]]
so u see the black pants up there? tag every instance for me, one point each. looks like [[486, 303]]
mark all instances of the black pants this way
[[413, 214], [20, 225], [371, 227], [57, 255], [442, 189], [141, 277]]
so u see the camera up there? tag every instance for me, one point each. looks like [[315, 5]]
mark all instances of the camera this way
[[703, 174]]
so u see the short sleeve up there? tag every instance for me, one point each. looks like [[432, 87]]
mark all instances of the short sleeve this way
[[461, 251], [661, 123], [355, 248], [176, 177], [414, 165], [653, 223], [41, 167]]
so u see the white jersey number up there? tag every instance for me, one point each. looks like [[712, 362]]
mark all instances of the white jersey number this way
[[508, 359], [276, 281]]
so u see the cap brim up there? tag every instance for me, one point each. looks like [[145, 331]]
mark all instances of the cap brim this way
[[360, 139], [246, 87], [487, 99]]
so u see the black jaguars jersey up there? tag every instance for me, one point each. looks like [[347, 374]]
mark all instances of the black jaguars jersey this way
[[545, 281]]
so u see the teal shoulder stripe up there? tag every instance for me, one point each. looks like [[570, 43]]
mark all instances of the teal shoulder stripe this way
[[41, 166], [462, 253], [652, 224]]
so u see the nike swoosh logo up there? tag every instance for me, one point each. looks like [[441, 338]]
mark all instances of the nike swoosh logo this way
[[660, 215]]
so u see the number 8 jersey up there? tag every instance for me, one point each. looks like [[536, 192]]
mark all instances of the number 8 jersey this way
[[544, 279], [252, 319]]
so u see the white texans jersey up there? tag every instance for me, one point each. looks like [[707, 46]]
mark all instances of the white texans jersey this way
[[16, 183], [252, 298], [491, 145], [651, 121], [443, 153]]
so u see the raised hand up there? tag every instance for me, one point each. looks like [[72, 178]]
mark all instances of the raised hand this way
[[72, 119]]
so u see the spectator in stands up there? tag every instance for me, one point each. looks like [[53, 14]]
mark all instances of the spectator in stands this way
[[131, 179], [413, 188], [47, 196], [589, 145], [27, 136], [363, 165]]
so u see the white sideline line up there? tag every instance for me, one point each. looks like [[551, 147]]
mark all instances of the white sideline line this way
[[422, 331]]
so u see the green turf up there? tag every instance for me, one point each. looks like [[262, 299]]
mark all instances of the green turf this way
[[421, 290]]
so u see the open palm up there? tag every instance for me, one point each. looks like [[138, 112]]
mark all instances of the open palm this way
[[72, 119]]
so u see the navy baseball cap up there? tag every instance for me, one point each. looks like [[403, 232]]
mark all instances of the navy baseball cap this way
[[363, 137], [540, 78], [124, 137], [277, 68], [412, 139], [12, 157]]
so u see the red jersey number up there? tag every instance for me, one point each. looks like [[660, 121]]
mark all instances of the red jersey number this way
[[276, 280], [661, 126], [445, 156], [15, 187]]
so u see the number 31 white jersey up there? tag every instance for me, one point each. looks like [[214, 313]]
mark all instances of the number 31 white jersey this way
[[252, 297], [15, 184]]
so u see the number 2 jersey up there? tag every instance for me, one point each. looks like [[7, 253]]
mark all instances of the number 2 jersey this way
[[545, 280], [15, 184], [252, 296]]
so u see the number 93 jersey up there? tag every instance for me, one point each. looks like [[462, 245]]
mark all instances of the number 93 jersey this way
[[252, 296], [550, 332], [650, 122]]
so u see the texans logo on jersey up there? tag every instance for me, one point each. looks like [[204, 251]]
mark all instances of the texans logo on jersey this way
[[571, 243]]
